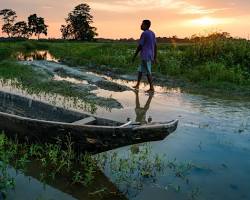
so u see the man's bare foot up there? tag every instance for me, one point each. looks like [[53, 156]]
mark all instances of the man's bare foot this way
[[151, 90]]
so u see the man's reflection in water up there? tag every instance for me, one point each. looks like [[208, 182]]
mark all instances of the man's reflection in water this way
[[141, 111]]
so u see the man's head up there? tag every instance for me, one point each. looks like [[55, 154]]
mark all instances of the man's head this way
[[145, 24]]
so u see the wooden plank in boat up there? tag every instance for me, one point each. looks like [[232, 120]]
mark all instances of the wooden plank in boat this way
[[84, 121], [124, 125]]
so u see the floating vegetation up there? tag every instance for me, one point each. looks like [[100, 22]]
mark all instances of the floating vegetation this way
[[139, 166], [130, 172], [52, 161]]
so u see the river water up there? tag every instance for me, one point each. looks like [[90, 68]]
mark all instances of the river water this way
[[213, 135]]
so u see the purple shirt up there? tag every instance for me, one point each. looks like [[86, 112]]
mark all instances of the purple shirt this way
[[147, 41]]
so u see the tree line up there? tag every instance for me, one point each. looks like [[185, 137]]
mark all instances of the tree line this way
[[176, 39], [77, 27], [34, 26]]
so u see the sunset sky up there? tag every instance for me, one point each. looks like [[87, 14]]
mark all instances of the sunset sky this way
[[122, 18]]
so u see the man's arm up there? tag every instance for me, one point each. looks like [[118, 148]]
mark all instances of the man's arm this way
[[139, 48]]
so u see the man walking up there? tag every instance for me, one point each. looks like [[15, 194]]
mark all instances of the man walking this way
[[148, 54]]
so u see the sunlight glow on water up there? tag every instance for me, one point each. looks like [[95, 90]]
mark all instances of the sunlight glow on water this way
[[36, 55]]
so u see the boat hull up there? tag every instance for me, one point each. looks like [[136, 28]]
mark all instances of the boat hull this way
[[85, 137], [36, 121]]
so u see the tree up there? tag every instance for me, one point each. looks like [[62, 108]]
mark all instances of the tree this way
[[21, 29], [219, 35], [37, 25], [66, 31], [8, 17], [78, 24]]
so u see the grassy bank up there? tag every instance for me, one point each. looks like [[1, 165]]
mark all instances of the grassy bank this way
[[219, 64], [40, 82]]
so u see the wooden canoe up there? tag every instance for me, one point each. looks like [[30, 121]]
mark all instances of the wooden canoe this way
[[37, 121]]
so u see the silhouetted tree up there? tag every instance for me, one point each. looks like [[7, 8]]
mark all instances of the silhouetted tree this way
[[37, 25], [21, 29], [66, 31], [219, 35], [8, 17], [78, 24]]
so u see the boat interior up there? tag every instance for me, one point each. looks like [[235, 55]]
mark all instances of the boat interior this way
[[26, 107]]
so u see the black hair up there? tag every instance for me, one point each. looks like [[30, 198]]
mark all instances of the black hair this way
[[147, 22]]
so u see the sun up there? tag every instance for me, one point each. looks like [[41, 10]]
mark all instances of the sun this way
[[205, 21], [208, 22]]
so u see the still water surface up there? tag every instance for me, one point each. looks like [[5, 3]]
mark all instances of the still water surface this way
[[213, 135]]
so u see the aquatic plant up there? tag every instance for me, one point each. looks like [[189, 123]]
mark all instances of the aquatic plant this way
[[54, 159], [130, 171], [139, 166]]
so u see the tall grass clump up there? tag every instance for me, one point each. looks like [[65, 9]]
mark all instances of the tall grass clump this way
[[219, 48], [216, 72], [4, 53], [216, 57]]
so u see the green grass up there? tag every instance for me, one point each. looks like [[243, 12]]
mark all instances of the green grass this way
[[208, 63], [37, 81], [33, 81], [95, 55]]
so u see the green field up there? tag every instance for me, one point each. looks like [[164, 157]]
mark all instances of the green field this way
[[215, 63]]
